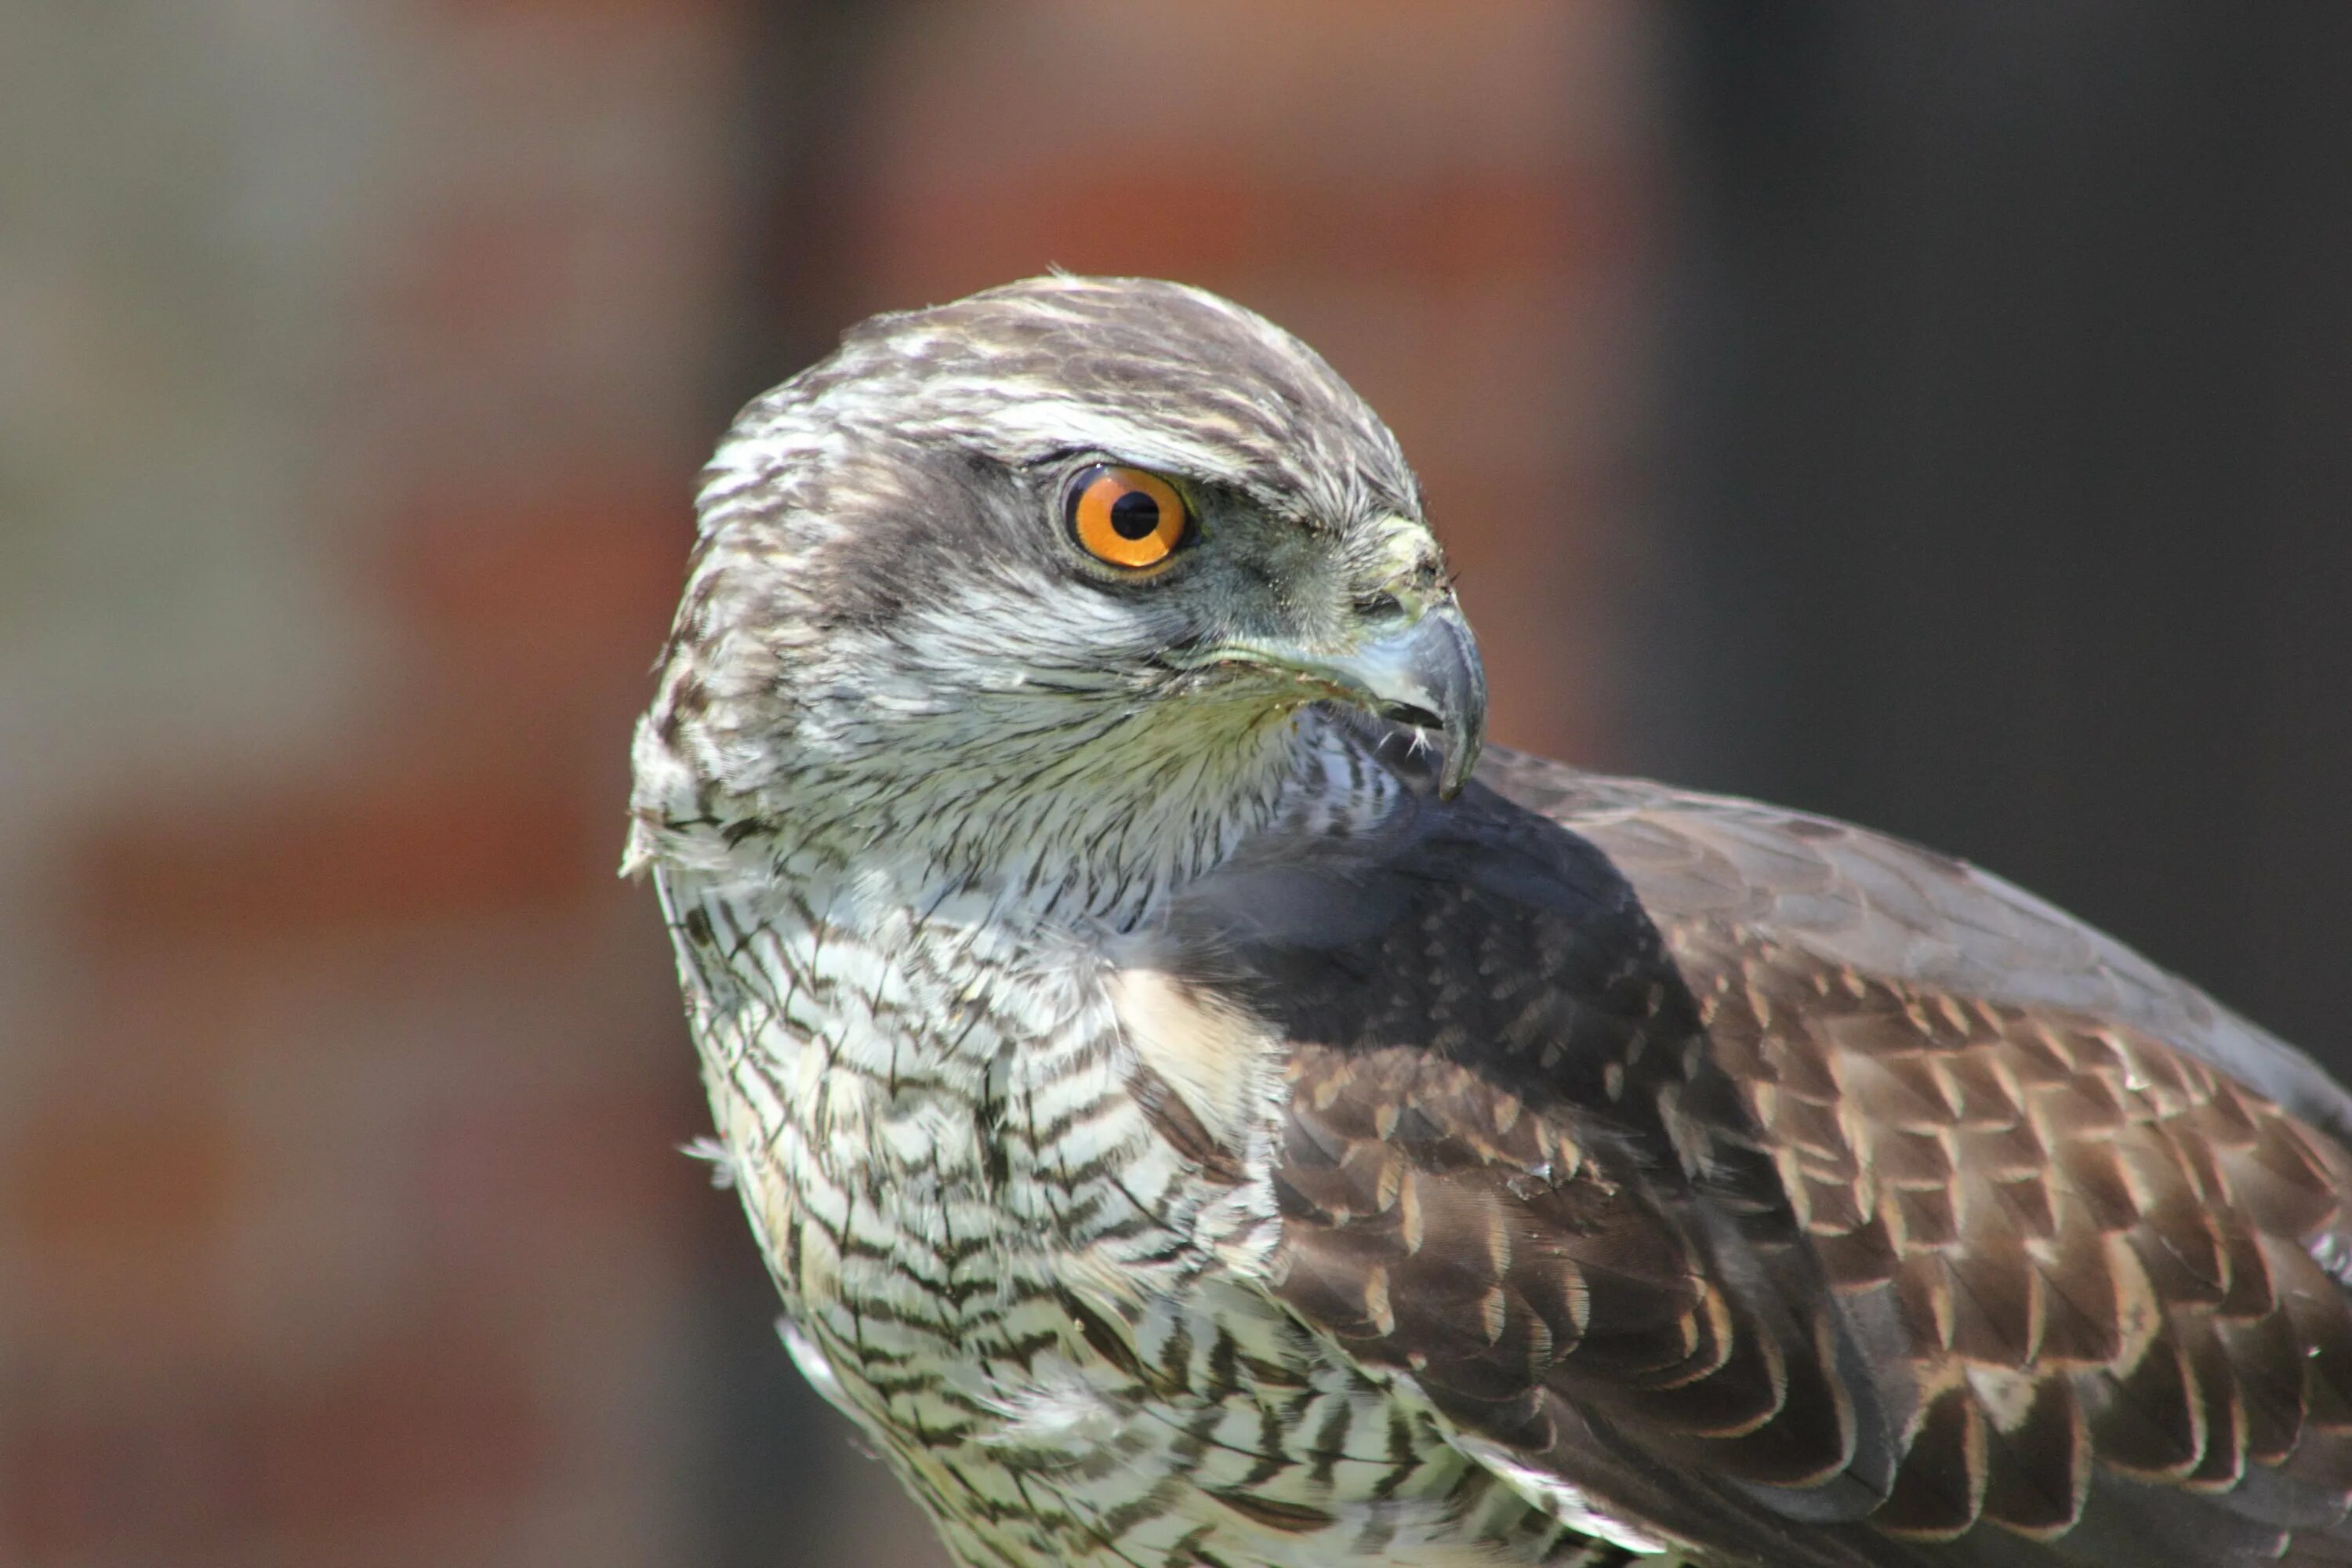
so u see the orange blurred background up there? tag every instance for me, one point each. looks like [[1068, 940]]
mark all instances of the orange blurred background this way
[[1939, 417]]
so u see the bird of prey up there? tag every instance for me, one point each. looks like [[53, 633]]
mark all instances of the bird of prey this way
[[1198, 1111]]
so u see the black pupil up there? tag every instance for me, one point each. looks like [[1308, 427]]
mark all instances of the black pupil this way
[[1135, 515]]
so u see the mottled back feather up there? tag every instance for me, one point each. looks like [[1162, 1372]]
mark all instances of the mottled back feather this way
[[1735, 1168]]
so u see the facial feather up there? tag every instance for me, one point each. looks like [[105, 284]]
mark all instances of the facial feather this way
[[888, 636]]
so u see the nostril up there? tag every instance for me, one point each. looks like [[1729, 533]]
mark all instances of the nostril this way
[[1370, 606]]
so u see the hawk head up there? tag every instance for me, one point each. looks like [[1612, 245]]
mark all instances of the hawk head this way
[[1049, 574]]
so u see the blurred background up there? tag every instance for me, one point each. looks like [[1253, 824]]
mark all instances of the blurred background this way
[[1936, 414]]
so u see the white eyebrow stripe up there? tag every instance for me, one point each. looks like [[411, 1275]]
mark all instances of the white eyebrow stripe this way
[[1040, 426]]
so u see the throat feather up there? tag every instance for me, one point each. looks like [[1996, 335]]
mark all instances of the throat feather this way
[[1090, 830]]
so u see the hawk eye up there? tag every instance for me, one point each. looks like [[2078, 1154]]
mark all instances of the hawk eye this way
[[1124, 516]]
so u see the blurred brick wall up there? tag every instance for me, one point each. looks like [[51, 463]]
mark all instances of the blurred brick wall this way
[[340, 1210], [361, 357]]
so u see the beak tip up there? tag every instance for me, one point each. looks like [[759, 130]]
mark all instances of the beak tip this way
[[1455, 775]]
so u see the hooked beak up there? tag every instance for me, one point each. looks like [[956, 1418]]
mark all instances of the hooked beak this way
[[1425, 674]]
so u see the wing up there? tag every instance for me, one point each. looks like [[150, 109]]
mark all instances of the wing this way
[[1794, 1192]]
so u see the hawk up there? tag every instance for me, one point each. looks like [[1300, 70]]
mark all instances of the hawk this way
[[1198, 1111]]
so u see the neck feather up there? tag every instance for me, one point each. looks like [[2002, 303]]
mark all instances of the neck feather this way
[[1094, 829]]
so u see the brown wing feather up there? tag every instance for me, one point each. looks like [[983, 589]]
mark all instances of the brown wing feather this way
[[1799, 1192], [2094, 1239], [2111, 1215]]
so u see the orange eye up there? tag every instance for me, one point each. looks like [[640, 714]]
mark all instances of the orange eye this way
[[1126, 516]]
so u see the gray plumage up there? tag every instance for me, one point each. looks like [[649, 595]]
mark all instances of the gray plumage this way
[[1183, 1128]]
